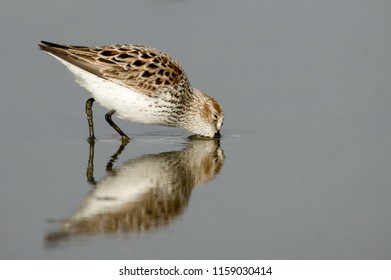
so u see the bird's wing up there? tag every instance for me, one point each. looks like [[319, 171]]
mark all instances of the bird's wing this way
[[141, 68]]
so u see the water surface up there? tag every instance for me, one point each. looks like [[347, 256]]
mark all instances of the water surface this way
[[302, 169]]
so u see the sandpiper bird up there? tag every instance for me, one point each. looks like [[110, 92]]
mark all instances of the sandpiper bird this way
[[139, 84]]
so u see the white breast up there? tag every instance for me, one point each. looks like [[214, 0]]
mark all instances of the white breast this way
[[129, 104]]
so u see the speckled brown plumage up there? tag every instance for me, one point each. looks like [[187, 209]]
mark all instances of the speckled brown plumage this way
[[159, 90], [142, 68]]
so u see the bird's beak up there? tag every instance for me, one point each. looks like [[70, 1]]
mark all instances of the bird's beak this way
[[217, 135]]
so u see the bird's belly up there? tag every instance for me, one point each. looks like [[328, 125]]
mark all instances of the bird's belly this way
[[129, 104]]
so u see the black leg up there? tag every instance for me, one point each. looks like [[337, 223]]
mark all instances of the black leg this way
[[124, 137], [89, 102]]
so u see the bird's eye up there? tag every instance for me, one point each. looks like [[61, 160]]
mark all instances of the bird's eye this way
[[215, 116]]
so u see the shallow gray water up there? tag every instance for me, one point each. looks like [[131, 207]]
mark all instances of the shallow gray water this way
[[302, 170]]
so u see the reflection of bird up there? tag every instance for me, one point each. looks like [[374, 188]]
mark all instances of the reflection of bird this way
[[144, 193], [139, 84]]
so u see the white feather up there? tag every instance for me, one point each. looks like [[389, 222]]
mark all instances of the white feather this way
[[129, 104]]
